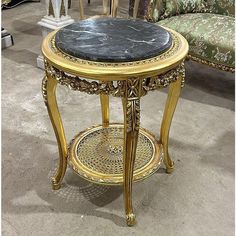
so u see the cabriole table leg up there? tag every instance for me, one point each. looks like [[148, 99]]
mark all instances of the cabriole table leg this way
[[172, 99], [49, 89], [131, 106], [105, 109]]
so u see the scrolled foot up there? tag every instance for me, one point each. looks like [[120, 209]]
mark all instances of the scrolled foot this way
[[130, 219], [55, 185], [170, 168]]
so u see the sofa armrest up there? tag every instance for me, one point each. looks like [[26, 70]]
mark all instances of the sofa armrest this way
[[160, 9]]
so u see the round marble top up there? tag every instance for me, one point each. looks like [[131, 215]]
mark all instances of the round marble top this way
[[113, 40]]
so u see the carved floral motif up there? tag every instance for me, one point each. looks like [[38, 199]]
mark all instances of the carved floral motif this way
[[115, 88]]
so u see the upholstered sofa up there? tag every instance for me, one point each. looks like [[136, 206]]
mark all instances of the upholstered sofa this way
[[208, 26]]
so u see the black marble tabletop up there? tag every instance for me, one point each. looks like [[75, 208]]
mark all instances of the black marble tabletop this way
[[113, 40]]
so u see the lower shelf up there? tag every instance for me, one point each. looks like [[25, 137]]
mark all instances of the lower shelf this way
[[96, 154]]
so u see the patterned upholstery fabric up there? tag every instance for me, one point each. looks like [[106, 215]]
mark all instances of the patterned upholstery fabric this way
[[177, 7], [210, 36], [223, 7], [161, 9]]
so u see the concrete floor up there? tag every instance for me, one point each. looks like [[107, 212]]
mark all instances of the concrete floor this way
[[197, 199]]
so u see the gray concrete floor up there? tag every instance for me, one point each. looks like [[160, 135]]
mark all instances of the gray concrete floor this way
[[197, 199]]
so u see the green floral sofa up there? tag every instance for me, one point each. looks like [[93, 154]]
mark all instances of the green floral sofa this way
[[208, 26]]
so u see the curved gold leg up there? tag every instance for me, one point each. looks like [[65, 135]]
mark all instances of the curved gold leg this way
[[81, 9], [136, 6], [131, 105], [105, 109], [114, 7], [172, 99], [49, 89]]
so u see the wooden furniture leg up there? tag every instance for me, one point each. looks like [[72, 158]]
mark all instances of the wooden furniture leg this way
[[49, 89], [105, 109], [172, 99], [131, 106]]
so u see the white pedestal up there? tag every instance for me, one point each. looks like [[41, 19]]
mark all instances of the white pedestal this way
[[6, 38], [56, 18], [40, 62]]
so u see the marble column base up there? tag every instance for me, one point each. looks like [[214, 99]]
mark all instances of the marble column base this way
[[49, 24], [52, 23]]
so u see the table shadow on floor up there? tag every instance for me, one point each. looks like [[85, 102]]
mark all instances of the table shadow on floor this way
[[31, 174], [33, 165]]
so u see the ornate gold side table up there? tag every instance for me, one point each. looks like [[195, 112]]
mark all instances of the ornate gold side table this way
[[122, 58]]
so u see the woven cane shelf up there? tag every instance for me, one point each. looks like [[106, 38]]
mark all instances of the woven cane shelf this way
[[96, 154]]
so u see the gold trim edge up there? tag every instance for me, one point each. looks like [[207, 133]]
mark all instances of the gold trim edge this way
[[174, 47], [211, 64], [117, 71], [139, 175], [114, 88]]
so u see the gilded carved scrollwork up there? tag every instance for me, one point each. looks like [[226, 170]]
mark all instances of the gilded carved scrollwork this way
[[164, 80], [91, 87], [116, 88], [44, 88], [133, 88], [133, 94], [133, 115]]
